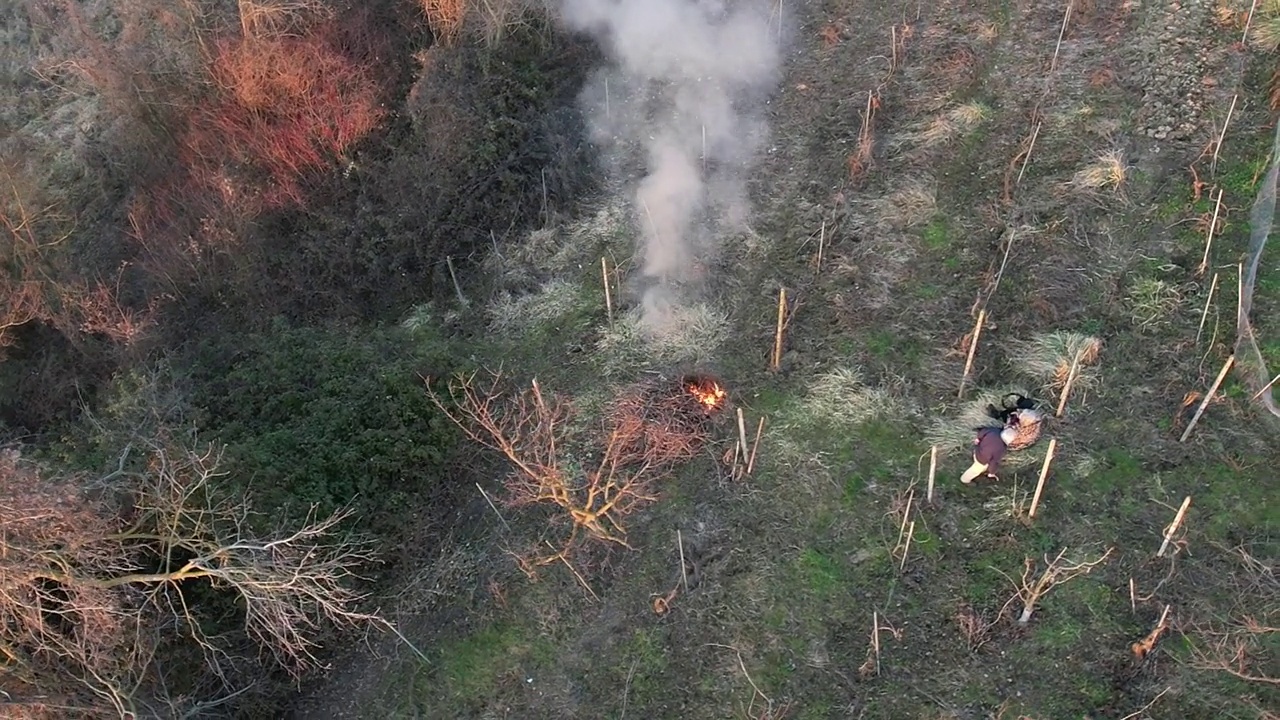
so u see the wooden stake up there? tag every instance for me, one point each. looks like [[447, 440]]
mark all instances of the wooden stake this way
[[684, 576], [973, 348], [742, 435], [1213, 165], [1239, 294], [875, 637], [1204, 314], [1133, 596], [1066, 387], [462, 300], [902, 528], [777, 336], [1044, 473], [1248, 21], [704, 148], [495, 507], [1173, 528], [822, 239], [1265, 388], [1208, 241], [906, 548], [933, 470], [1066, 18], [1213, 389], [1027, 158], [608, 298], [751, 460]]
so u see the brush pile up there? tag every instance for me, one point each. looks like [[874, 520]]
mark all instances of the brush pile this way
[[666, 421]]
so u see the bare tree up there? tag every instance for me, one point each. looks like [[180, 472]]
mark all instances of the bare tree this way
[[531, 431], [89, 587], [1033, 586]]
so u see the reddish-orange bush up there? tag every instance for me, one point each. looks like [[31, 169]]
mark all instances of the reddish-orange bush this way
[[284, 107]]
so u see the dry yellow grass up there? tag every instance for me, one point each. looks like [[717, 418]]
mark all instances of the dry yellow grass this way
[[1264, 32], [1108, 172], [445, 17], [913, 204]]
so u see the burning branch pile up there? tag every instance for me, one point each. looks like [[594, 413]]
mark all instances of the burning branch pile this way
[[665, 421], [648, 430]]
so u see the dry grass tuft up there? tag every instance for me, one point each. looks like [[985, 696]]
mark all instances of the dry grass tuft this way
[[521, 314], [1151, 302], [839, 399], [956, 433], [1108, 172], [912, 205], [692, 338], [1264, 33], [952, 124], [1048, 358], [445, 17], [563, 250], [835, 403]]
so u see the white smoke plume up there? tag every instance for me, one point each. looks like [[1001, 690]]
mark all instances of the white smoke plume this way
[[687, 84]]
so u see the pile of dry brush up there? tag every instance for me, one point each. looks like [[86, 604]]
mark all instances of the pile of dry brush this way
[[595, 482]]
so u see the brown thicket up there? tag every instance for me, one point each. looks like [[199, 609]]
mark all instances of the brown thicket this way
[[92, 587], [35, 285]]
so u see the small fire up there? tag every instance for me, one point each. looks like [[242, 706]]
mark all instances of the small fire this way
[[707, 392]]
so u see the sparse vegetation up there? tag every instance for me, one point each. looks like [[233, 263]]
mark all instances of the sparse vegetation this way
[[258, 259]]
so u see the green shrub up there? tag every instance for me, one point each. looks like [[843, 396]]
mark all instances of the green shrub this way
[[324, 417]]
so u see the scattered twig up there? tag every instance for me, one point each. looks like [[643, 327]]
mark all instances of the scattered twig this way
[[1144, 646], [1066, 387], [906, 547], [875, 639], [626, 689], [1173, 527], [581, 580], [1044, 473], [1244, 36], [1148, 706], [742, 435], [822, 240], [1213, 389]]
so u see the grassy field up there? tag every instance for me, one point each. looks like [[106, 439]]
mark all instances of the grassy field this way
[[959, 199], [1058, 174]]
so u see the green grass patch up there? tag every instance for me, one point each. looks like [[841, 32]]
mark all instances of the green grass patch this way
[[937, 235], [469, 669], [822, 574]]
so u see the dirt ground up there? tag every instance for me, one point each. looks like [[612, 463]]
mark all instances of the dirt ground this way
[[1036, 167]]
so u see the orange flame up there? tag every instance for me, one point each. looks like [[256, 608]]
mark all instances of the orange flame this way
[[709, 393]]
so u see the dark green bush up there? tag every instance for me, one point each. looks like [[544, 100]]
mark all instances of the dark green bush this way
[[324, 417]]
